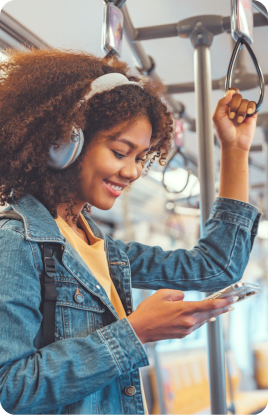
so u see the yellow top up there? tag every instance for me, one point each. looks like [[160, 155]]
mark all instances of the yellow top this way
[[95, 258]]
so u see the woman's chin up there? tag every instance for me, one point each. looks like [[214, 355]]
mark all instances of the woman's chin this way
[[105, 205]]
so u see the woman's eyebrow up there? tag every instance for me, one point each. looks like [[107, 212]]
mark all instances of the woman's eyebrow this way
[[130, 144]]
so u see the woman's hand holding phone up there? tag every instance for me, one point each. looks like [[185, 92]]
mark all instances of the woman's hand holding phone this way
[[164, 315]]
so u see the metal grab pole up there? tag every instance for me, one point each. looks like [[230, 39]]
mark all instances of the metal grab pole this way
[[202, 40], [204, 129], [263, 123], [159, 380], [266, 172]]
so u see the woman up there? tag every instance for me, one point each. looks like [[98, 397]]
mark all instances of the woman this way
[[93, 365]]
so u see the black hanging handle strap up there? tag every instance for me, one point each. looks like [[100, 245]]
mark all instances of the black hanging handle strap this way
[[228, 81], [49, 296]]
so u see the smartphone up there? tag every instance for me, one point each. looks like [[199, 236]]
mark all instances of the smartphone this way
[[240, 289], [242, 20], [112, 30]]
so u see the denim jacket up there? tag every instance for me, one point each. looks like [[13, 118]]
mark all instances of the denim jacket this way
[[93, 366]]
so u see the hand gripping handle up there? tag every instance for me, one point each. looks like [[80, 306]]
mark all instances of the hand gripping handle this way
[[228, 81]]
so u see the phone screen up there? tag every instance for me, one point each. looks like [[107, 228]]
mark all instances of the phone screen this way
[[112, 29], [242, 19]]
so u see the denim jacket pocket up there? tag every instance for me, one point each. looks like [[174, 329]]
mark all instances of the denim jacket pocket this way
[[78, 312]]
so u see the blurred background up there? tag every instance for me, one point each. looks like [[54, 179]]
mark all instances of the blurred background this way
[[162, 208]]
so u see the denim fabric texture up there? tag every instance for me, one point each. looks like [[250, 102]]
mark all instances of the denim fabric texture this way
[[96, 356]]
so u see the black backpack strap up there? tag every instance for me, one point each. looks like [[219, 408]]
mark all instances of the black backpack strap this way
[[48, 288], [10, 214], [48, 294]]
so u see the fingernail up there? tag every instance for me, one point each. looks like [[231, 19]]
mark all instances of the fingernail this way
[[230, 308], [232, 115], [212, 319], [250, 111], [228, 93], [235, 298], [240, 119]]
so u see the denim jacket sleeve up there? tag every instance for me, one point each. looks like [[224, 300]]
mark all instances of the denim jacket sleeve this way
[[218, 259], [36, 381]]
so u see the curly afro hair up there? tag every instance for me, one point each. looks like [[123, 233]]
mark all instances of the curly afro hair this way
[[39, 93]]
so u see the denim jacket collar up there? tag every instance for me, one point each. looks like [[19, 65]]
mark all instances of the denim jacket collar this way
[[40, 225]]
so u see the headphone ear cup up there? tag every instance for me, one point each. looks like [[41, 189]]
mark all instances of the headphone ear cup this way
[[60, 158]]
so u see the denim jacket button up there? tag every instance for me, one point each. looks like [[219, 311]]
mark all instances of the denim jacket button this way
[[130, 390], [128, 312], [78, 298], [97, 286]]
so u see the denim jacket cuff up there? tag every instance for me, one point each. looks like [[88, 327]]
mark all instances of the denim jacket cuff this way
[[238, 212], [124, 345]]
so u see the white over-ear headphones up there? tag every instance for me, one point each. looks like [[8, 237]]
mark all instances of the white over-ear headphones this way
[[60, 158]]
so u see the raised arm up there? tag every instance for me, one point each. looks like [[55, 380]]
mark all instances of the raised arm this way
[[235, 133], [219, 258]]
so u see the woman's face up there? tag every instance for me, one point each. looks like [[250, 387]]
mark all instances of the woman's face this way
[[111, 164]]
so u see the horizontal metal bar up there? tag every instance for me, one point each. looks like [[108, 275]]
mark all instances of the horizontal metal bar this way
[[157, 32], [183, 28], [20, 34], [257, 147], [189, 87], [180, 88], [7, 41], [226, 24], [260, 9], [245, 82], [259, 20], [257, 186], [213, 23]]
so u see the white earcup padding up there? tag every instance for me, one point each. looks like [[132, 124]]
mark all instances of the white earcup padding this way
[[65, 154]]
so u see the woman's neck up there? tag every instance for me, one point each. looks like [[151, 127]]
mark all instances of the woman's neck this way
[[62, 210], [76, 227]]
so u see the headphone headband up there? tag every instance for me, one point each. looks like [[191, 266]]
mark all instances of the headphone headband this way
[[108, 82]]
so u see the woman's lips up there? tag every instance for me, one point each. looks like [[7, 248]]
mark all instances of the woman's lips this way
[[112, 191]]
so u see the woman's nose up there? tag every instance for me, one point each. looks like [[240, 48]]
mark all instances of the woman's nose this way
[[131, 171]]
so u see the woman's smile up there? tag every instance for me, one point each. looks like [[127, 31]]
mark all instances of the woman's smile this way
[[112, 162], [114, 188]]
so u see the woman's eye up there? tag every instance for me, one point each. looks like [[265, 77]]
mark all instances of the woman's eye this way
[[119, 155], [141, 160]]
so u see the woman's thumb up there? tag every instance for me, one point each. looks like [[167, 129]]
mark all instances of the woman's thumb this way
[[229, 95]]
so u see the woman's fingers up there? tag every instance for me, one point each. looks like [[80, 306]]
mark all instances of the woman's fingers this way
[[206, 316], [251, 107], [239, 108], [234, 105], [207, 305], [197, 320], [242, 111]]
